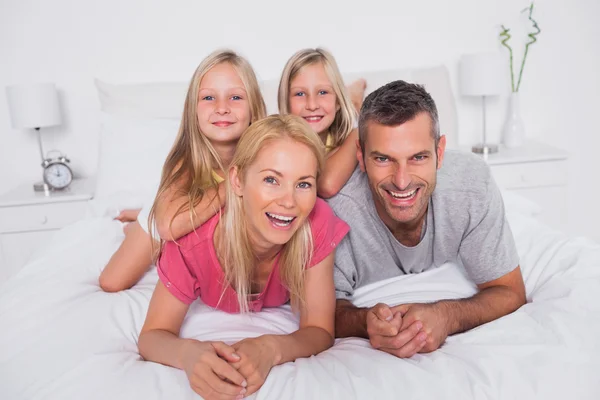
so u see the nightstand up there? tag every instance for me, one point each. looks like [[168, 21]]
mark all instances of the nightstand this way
[[538, 172], [28, 219]]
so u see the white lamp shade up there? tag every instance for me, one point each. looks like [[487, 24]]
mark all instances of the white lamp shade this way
[[33, 106], [481, 74]]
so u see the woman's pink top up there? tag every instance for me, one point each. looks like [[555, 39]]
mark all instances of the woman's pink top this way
[[189, 269]]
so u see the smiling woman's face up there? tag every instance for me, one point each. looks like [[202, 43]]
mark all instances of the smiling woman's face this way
[[278, 191]]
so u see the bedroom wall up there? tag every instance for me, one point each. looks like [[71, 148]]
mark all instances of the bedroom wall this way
[[70, 42]]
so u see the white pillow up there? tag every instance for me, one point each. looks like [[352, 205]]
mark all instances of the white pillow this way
[[143, 100], [131, 157]]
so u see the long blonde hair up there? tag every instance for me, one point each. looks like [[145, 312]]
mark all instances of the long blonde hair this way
[[235, 250], [193, 158], [345, 118]]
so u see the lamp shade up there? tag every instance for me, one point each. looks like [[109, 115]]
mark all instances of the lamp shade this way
[[481, 74], [33, 106]]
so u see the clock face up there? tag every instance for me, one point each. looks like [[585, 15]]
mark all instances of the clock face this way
[[58, 175]]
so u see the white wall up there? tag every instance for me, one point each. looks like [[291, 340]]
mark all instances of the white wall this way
[[70, 42]]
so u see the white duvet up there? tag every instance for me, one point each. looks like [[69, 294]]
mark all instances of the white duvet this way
[[61, 337]]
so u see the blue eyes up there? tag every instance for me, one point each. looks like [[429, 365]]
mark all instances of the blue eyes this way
[[272, 181], [383, 159], [320, 92], [211, 98]]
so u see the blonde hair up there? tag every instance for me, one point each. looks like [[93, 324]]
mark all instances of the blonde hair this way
[[236, 253], [192, 158], [345, 118]]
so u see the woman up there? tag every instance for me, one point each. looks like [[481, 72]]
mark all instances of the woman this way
[[273, 242]]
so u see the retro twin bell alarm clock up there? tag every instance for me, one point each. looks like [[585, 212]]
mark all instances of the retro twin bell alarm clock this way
[[57, 174]]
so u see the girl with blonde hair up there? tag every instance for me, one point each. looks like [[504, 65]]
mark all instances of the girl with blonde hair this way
[[274, 241], [312, 87], [223, 99]]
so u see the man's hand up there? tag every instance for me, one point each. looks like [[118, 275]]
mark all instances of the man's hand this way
[[387, 332], [433, 319]]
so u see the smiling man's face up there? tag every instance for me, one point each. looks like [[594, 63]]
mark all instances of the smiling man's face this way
[[401, 163]]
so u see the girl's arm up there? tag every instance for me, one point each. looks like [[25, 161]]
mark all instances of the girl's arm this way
[[316, 333], [169, 204], [204, 362], [339, 166]]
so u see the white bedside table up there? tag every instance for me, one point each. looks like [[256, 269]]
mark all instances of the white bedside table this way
[[538, 172], [29, 218]]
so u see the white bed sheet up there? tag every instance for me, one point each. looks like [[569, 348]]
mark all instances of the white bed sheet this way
[[61, 337]]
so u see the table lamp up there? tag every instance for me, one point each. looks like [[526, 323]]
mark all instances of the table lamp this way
[[481, 75], [34, 106]]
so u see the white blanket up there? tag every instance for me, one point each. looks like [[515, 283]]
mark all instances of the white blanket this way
[[61, 337]]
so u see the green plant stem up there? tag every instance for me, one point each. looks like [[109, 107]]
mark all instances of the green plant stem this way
[[532, 35], [505, 33]]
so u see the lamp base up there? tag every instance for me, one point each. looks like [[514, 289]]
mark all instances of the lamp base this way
[[42, 187], [485, 148]]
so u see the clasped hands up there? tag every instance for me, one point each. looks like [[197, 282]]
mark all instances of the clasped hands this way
[[216, 370], [407, 329]]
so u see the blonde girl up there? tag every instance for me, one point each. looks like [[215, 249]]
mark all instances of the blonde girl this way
[[274, 241], [223, 99], [312, 87]]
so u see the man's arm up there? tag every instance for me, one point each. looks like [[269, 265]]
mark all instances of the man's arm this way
[[350, 321], [495, 299]]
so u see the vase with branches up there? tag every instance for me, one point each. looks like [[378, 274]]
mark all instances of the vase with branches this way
[[514, 129]]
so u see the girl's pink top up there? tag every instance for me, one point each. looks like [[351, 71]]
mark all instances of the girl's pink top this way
[[189, 269]]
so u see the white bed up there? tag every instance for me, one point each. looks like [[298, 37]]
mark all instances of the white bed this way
[[61, 337]]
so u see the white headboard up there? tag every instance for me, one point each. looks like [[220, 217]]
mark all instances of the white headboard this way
[[165, 99]]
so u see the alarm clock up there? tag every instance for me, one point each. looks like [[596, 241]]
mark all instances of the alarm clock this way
[[57, 173]]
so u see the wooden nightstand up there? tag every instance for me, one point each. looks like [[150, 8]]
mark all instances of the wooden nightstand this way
[[28, 219], [538, 172]]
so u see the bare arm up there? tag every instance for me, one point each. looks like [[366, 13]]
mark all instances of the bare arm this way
[[159, 339], [339, 167], [350, 321], [437, 320], [495, 299], [184, 223], [205, 363], [316, 331]]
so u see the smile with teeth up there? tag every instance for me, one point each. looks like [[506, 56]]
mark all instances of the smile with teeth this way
[[314, 118], [280, 220], [403, 196]]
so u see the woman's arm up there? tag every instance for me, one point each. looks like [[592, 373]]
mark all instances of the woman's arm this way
[[170, 203], [339, 166], [317, 318], [204, 362], [316, 333]]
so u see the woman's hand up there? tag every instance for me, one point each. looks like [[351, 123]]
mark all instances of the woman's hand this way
[[257, 357], [208, 368]]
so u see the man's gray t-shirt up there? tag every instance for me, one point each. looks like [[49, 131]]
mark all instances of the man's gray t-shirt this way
[[465, 224]]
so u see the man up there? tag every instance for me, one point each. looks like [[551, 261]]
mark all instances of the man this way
[[412, 207]]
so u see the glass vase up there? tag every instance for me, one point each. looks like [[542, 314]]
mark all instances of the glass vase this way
[[513, 134]]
